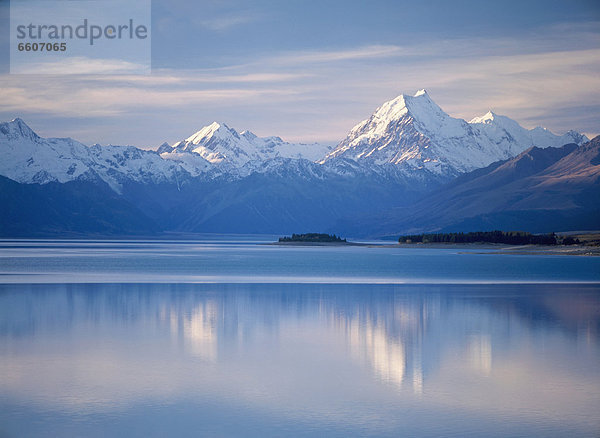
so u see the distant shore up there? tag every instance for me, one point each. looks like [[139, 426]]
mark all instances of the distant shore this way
[[579, 250]]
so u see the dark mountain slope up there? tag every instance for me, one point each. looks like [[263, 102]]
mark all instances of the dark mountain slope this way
[[540, 190], [66, 210]]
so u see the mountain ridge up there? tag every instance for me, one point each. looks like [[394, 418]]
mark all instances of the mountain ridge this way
[[422, 135], [411, 133], [224, 181], [540, 190]]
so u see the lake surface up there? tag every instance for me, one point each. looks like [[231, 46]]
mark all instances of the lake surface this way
[[222, 338]]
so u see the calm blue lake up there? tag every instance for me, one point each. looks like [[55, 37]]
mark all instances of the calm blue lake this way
[[222, 338]]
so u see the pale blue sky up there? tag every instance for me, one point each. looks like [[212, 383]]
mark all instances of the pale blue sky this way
[[310, 70]]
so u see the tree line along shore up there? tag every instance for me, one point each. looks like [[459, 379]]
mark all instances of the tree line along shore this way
[[494, 237], [501, 237]]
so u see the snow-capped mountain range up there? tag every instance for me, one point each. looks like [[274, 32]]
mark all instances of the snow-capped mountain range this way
[[414, 130], [218, 143], [29, 158], [409, 136]]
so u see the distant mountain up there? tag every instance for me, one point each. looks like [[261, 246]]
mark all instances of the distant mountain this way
[[540, 190], [179, 190], [29, 158], [282, 197], [415, 131], [221, 145], [409, 138], [219, 180], [71, 209]]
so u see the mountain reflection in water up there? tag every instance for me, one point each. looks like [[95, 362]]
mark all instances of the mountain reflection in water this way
[[366, 359]]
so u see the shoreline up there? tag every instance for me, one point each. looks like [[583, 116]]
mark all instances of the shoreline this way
[[576, 250], [496, 248], [298, 243]]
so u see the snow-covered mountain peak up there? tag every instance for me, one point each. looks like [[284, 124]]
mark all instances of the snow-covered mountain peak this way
[[540, 130], [492, 118], [419, 106], [391, 110], [165, 147], [19, 122], [222, 145], [17, 128], [398, 130], [577, 137], [503, 130], [249, 135], [486, 118], [498, 121], [415, 131], [409, 133], [28, 158], [214, 130], [428, 116]]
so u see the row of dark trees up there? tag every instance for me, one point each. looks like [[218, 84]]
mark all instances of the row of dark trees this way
[[312, 237], [507, 237]]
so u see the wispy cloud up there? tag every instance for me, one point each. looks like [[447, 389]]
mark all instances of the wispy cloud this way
[[333, 56], [319, 95], [167, 77], [83, 66], [69, 101]]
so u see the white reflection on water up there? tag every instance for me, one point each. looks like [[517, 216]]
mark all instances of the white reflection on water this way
[[369, 342], [299, 360], [199, 330], [480, 353]]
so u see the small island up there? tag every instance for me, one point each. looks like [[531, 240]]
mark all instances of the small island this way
[[312, 238]]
